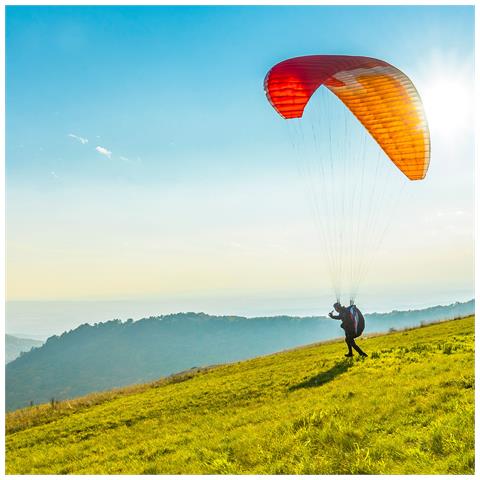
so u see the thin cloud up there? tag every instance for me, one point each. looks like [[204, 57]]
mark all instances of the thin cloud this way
[[451, 213], [54, 175], [82, 140], [104, 151]]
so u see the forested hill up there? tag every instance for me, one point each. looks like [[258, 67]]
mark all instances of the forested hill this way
[[431, 314], [113, 354]]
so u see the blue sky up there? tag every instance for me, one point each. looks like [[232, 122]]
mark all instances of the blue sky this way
[[186, 163]]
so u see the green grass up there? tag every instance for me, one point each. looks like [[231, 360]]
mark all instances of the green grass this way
[[407, 409]]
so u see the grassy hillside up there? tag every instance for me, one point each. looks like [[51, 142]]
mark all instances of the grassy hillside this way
[[408, 408], [93, 358]]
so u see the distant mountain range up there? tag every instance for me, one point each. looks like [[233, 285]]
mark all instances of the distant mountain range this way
[[14, 346], [114, 353]]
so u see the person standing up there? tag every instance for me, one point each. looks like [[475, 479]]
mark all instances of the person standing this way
[[352, 327]]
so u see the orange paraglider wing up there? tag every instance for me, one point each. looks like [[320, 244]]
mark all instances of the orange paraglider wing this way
[[382, 98]]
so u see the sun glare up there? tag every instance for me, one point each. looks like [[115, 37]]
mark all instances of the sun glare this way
[[448, 99]]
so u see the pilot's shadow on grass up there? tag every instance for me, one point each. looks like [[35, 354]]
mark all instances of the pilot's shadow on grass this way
[[324, 377]]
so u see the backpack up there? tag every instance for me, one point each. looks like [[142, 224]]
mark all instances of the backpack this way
[[357, 320]]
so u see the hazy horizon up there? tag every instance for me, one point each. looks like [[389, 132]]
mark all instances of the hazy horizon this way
[[41, 319]]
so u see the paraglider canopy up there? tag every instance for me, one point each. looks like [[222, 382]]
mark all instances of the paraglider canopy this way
[[382, 98], [352, 187]]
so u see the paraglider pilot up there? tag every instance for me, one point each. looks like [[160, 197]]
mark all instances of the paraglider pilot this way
[[350, 323]]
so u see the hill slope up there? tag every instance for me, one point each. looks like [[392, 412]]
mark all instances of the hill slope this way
[[112, 354], [14, 346], [408, 408]]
